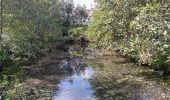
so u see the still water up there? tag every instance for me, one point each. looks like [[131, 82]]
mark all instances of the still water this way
[[76, 86], [82, 72]]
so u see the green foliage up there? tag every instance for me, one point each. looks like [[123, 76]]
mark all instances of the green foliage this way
[[3, 55], [153, 28], [29, 27], [139, 29], [78, 33], [73, 16]]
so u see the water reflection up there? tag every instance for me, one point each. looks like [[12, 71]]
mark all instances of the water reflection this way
[[76, 86], [64, 75]]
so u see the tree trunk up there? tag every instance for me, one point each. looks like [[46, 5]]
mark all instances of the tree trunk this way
[[1, 19]]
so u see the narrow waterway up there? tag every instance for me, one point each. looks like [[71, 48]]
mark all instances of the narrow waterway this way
[[76, 86], [80, 72]]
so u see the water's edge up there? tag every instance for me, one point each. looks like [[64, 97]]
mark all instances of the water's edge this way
[[80, 72]]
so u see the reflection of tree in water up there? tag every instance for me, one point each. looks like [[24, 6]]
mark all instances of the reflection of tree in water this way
[[75, 84], [40, 78], [43, 76], [72, 67], [75, 64]]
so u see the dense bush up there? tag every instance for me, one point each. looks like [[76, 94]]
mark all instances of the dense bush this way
[[141, 30], [152, 25], [29, 26], [78, 33]]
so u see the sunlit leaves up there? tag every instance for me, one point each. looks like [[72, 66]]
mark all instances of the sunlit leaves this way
[[139, 28]]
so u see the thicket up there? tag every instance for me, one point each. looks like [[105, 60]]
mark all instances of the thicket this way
[[76, 33], [140, 29], [28, 28]]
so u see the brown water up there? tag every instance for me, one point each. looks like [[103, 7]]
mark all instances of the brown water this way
[[80, 72]]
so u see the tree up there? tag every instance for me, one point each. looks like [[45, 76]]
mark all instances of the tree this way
[[67, 13], [1, 19], [29, 24], [136, 27], [80, 15]]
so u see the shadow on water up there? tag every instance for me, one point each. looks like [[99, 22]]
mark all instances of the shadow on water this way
[[121, 81], [76, 86], [47, 78], [80, 72]]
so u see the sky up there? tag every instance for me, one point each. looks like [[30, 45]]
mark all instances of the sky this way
[[88, 3]]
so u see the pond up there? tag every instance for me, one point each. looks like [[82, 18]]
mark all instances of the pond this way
[[82, 72]]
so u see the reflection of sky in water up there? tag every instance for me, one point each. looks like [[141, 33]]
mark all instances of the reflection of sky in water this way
[[76, 87]]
